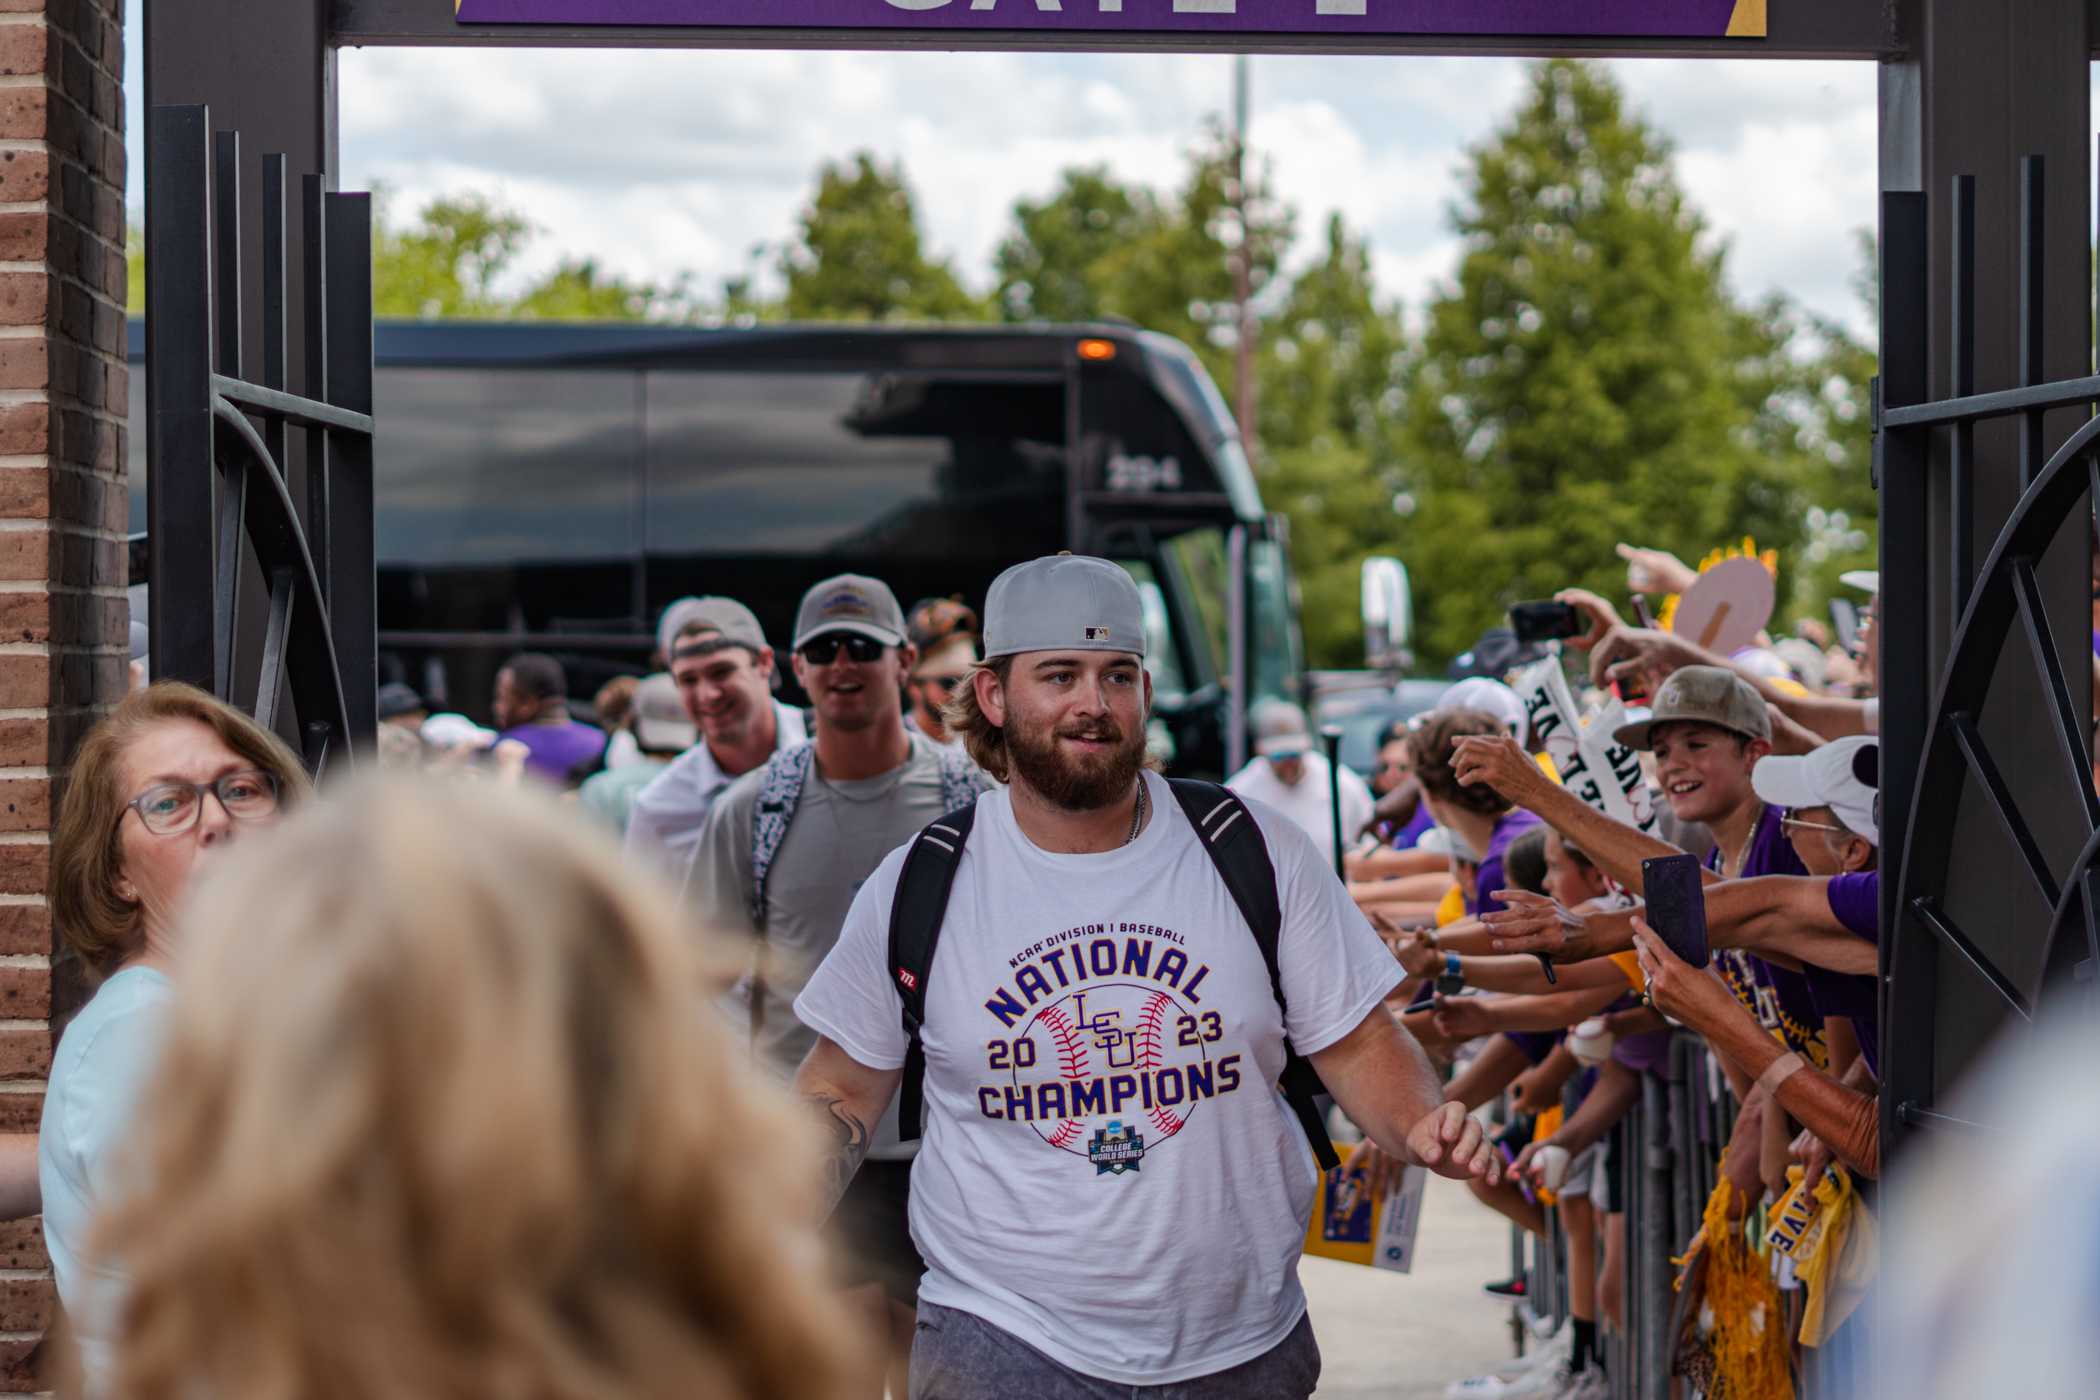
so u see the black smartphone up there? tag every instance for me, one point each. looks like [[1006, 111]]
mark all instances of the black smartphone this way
[[1545, 622], [1676, 895]]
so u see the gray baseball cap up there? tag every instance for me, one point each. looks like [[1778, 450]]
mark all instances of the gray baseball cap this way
[[1280, 730], [1702, 695], [730, 620], [661, 724], [851, 603], [1063, 602]]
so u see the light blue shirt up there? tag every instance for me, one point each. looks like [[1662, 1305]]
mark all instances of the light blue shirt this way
[[102, 1062]]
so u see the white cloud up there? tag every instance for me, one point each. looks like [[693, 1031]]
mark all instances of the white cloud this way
[[662, 163]]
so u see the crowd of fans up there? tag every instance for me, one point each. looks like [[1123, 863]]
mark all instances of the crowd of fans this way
[[434, 1086]]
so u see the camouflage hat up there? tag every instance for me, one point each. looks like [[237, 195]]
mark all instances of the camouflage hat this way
[[1702, 695]]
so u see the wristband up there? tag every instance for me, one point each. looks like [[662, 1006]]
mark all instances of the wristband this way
[[1454, 968], [1779, 1072]]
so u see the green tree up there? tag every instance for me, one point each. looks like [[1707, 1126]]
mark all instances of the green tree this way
[[135, 267], [1096, 248], [1329, 379], [1588, 379], [859, 255], [446, 263], [1059, 262], [1827, 401]]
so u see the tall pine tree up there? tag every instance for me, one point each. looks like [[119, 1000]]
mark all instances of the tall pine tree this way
[[859, 256], [1588, 379]]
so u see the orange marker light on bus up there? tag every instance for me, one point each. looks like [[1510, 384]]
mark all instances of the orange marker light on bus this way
[[1097, 349]]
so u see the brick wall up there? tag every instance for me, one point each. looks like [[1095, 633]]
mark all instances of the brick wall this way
[[62, 516]]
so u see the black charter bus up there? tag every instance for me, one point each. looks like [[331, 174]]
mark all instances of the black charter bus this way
[[552, 486]]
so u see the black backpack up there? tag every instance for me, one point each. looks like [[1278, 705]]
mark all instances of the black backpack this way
[[1235, 846]]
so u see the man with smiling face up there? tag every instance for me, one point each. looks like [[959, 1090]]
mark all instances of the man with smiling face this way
[[783, 853], [718, 658], [1112, 1193]]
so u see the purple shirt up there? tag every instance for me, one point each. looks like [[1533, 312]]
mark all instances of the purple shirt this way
[[1855, 901], [1417, 827], [1779, 997], [1645, 1053], [1508, 828], [553, 750]]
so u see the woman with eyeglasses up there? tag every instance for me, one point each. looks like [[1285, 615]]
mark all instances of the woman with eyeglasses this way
[[158, 791]]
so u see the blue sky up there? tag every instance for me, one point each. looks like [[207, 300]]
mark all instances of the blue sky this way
[[658, 164]]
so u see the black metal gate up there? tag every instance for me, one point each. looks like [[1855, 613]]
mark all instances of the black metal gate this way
[[1964, 956], [222, 518]]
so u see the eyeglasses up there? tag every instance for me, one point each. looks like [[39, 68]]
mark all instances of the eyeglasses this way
[[1791, 824], [822, 651], [940, 682], [169, 809]]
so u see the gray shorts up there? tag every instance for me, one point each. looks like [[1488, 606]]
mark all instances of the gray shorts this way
[[960, 1356]]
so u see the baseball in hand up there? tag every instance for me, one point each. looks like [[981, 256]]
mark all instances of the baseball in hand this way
[[1590, 1043], [1552, 1166]]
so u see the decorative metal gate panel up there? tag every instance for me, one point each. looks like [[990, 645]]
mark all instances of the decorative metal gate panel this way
[[220, 500], [2008, 972]]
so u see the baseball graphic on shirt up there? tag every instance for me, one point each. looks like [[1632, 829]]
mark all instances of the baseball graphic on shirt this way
[[1111, 1072]]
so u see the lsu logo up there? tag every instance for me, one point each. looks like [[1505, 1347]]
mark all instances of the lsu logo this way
[[1116, 1149]]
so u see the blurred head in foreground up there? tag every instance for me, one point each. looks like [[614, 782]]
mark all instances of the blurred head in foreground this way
[[443, 1112]]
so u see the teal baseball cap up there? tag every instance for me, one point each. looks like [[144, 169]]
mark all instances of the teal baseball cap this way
[[1063, 602]]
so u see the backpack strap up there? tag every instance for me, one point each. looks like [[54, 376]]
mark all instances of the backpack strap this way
[[916, 914], [779, 793], [1232, 839]]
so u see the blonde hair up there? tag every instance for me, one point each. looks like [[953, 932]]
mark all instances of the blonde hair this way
[[87, 853], [443, 1111], [966, 720]]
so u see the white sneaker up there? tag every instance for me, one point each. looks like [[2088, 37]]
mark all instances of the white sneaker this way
[[1590, 1385], [1531, 1377]]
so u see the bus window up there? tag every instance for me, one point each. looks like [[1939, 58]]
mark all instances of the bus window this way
[[506, 467], [846, 464], [1276, 663], [1162, 654], [1202, 576], [761, 482]]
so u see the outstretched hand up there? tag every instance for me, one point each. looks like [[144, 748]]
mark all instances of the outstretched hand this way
[[1656, 570], [1500, 763], [1531, 923], [1449, 1141]]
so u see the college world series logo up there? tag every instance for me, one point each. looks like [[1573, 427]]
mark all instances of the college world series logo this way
[[1110, 1073]]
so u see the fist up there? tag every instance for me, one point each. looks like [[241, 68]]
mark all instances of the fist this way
[[1448, 1140]]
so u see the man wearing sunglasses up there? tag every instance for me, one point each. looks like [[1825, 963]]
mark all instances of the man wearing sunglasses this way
[[788, 845], [942, 665]]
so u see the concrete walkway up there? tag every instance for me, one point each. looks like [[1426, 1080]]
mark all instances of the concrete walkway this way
[[1386, 1336]]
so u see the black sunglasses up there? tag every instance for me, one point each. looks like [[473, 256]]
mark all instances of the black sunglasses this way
[[822, 651]]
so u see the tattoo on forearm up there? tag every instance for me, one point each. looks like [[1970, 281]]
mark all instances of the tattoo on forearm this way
[[849, 1145]]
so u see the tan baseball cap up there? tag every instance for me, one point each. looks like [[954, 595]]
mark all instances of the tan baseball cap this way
[[851, 603], [1702, 695]]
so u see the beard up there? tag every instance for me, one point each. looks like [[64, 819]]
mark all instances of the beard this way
[[1072, 782]]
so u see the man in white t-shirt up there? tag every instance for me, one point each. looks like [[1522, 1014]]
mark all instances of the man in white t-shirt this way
[[1289, 775], [1111, 1192], [717, 656]]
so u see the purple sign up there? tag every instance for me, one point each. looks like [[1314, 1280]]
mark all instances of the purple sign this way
[[1607, 18]]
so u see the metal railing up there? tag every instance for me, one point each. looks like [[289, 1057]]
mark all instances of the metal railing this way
[[225, 511], [1665, 1157]]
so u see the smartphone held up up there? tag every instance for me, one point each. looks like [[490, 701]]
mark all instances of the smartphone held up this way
[[1676, 895]]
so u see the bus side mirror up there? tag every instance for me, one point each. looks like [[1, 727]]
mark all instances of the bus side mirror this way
[[1389, 614]]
